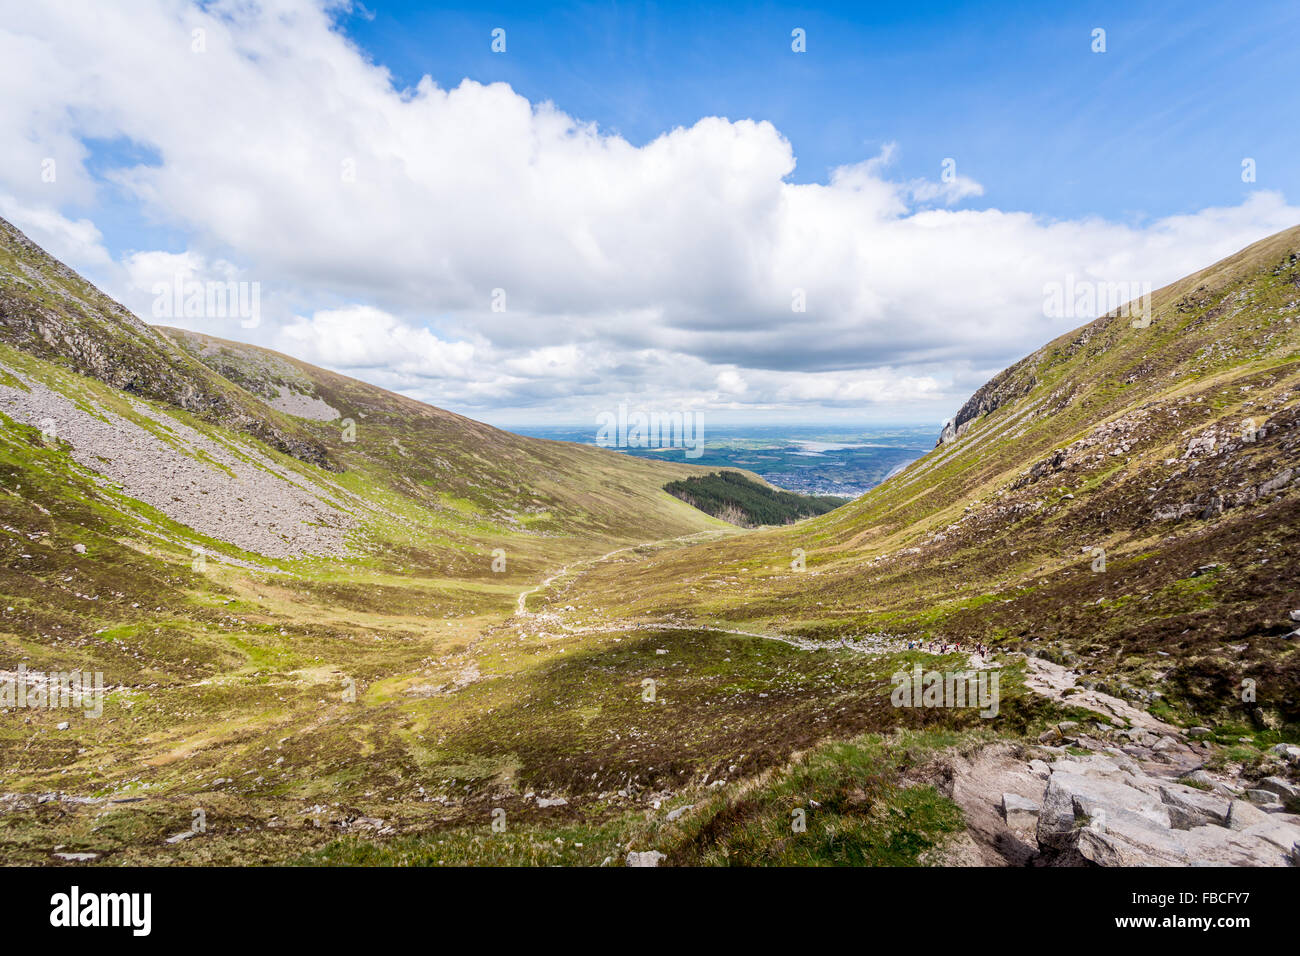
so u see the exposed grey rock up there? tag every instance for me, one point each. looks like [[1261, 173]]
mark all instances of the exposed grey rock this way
[[1216, 846], [296, 403], [1006, 386], [1124, 761], [644, 858], [1282, 835], [1243, 815], [235, 494], [1285, 790], [1261, 798], [1189, 807], [1073, 798], [1021, 813], [1277, 482], [1130, 841], [1102, 764]]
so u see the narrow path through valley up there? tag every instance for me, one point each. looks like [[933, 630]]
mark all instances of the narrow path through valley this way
[[1049, 680]]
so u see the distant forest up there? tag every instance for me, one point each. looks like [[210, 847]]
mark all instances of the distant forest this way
[[732, 497]]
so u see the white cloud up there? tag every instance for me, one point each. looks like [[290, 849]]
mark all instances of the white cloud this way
[[66, 239], [364, 337], [380, 221]]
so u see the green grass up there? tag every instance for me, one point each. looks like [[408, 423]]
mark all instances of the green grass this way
[[842, 804], [232, 680]]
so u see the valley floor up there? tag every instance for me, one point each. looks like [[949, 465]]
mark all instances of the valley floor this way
[[538, 731]]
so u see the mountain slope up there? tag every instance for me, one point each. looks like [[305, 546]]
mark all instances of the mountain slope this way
[[229, 566], [370, 661], [439, 458], [1174, 447], [48, 311]]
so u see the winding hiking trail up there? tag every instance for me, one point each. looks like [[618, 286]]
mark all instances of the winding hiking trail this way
[[1044, 678], [522, 603], [875, 643]]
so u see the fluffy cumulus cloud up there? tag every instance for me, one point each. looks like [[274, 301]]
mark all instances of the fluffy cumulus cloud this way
[[491, 254]]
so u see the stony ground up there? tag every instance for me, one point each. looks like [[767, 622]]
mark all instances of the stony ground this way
[[232, 493], [1121, 789]]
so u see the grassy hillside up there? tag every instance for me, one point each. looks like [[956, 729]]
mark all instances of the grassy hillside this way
[[377, 651], [443, 460], [164, 526], [48, 311], [1173, 447]]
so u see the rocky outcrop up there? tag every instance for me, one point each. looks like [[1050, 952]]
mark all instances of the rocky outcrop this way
[[1102, 809], [47, 310], [1123, 790], [1004, 388]]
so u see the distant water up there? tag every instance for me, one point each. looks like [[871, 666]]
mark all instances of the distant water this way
[[810, 459]]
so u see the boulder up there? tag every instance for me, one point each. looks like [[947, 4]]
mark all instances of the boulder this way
[[1285, 790], [1098, 764], [1201, 777], [1215, 846], [644, 858], [1284, 836], [1130, 841], [1124, 762], [1021, 813], [1242, 815], [1073, 799], [1262, 798], [1189, 807]]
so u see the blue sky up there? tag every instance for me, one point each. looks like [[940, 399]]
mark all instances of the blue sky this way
[[681, 212], [1157, 125]]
